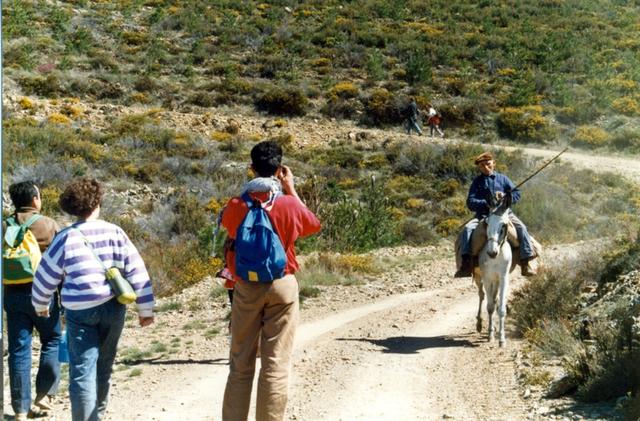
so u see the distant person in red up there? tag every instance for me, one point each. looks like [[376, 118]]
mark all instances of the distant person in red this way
[[265, 311], [433, 120]]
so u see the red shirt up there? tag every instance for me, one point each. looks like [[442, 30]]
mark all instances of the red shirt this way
[[290, 219]]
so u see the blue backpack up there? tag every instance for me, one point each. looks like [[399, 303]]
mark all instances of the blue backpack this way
[[260, 256]]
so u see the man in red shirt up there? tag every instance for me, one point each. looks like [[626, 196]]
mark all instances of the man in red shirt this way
[[265, 312]]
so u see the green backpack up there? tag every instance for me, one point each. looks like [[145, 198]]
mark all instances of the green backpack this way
[[20, 252]]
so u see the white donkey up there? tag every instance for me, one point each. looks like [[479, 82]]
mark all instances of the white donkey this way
[[493, 272]]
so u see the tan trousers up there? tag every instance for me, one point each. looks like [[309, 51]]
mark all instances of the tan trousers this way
[[267, 312]]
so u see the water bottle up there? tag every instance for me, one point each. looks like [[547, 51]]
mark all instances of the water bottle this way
[[120, 286], [63, 348]]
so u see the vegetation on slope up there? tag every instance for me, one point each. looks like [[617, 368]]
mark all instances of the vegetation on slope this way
[[547, 71], [588, 316]]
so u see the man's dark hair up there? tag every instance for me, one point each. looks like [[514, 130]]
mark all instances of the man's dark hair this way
[[22, 194], [81, 197], [266, 158]]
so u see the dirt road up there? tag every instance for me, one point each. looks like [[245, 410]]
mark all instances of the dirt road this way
[[402, 347], [412, 356]]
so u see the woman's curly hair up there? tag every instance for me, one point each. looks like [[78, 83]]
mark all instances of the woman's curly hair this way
[[81, 197]]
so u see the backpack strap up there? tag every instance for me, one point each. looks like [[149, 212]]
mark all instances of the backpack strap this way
[[11, 221], [15, 232], [33, 218], [88, 244], [248, 200]]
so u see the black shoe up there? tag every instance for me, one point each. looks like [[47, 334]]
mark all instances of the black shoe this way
[[466, 268], [526, 269]]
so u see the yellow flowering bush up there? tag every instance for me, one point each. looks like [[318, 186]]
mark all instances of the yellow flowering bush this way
[[140, 98], [626, 105], [375, 161], [425, 28], [590, 136], [448, 226], [524, 123], [71, 111], [622, 84], [280, 122], [322, 62], [221, 136], [344, 90], [25, 103], [58, 118], [507, 71], [50, 196], [414, 203], [214, 206]]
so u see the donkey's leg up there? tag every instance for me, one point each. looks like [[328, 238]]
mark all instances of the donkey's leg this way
[[502, 309], [478, 282], [491, 305]]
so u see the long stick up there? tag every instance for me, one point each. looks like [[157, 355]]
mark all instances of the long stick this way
[[540, 169], [525, 180]]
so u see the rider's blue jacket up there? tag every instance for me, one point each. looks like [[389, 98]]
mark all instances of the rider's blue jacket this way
[[485, 186]]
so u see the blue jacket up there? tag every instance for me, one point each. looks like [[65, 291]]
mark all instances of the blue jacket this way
[[484, 187]]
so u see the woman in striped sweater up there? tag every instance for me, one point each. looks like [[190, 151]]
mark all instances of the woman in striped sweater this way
[[95, 319]]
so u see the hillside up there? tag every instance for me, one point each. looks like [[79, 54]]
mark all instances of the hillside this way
[[553, 71], [163, 99]]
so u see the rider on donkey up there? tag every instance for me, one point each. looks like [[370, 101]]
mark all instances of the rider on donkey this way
[[486, 190]]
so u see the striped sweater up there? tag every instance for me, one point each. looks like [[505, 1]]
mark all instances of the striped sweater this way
[[69, 259]]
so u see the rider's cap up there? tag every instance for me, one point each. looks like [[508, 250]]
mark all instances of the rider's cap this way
[[485, 156]]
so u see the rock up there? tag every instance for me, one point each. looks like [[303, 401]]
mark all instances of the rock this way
[[561, 387], [232, 127], [527, 393], [362, 136]]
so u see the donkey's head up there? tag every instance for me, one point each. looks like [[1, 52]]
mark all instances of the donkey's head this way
[[497, 224]]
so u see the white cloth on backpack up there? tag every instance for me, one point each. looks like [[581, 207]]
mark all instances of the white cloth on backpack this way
[[262, 184]]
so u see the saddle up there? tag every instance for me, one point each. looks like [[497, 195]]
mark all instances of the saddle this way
[[479, 239]]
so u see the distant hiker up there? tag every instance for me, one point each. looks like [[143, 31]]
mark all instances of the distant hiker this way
[[486, 190], [265, 301], [433, 120], [95, 318], [411, 115], [26, 235]]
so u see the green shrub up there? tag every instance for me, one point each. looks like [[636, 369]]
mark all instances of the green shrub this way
[[418, 67], [176, 266], [202, 99], [525, 124], [418, 232], [48, 86], [375, 65], [282, 101], [191, 216], [357, 225], [19, 56], [18, 20], [554, 295], [627, 140], [624, 258], [381, 108], [341, 108], [632, 409], [610, 365]]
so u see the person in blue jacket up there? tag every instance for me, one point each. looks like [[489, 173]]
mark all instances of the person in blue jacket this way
[[486, 189]]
